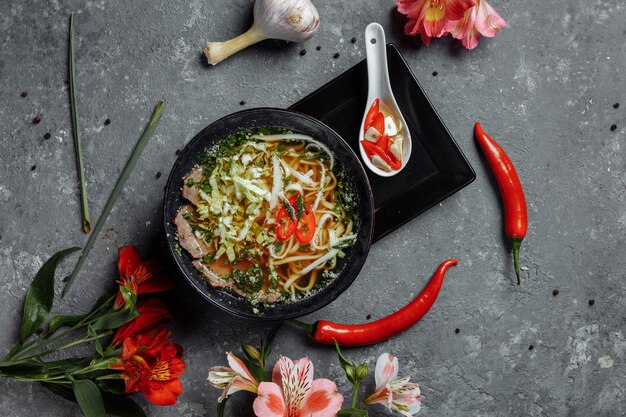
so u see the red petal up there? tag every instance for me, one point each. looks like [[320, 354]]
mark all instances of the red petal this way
[[159, 283], [129, 259], [151, 313], [161, 392]]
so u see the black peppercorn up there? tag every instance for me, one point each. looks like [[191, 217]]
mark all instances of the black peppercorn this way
[[158, 175], [353, 40], [555, 292], [592, 302], [177, 152], [34, 167], [613, 127], [303, 52], [242, 102], [369, 316], [318, 47], [336, 55], [36, 120], [435, 73], [457, 330], [47, 135], [24, 94], [531, 347], [107, 121], [616, 106]]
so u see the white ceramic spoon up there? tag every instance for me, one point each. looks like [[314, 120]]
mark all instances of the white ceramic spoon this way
[[379, 87]]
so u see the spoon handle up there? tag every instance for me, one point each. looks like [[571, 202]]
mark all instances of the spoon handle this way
[[376, 50]]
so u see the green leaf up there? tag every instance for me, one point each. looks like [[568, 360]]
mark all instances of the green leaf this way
[[116, 405], [266, 345], [68, 365], [114, 386], [119, 185], [76, 131], [114, 319], [88, 398], [40, 295], [348, 367], [64, 321], [13, 352], [352, 412], [28, 368], [220, 407]]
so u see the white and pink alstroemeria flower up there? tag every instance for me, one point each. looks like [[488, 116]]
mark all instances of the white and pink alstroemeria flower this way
[[395, 393], [429, 17], [480, 19], [231, 379], [294, 392]]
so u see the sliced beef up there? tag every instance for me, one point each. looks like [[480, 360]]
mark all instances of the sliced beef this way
[[190, 193], [186, 238]]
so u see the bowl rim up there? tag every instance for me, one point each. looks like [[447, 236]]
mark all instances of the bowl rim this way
[[202, 287]]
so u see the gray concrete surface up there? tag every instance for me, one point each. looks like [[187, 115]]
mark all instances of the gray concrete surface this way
[[545, 86]]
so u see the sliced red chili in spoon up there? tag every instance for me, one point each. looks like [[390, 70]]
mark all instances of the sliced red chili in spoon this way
[[372, 112], [372, 149]]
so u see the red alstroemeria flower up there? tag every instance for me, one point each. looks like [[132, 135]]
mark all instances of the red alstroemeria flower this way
[[478, 20], [151, 313], [152, 365], [139, 276], [429, 17]]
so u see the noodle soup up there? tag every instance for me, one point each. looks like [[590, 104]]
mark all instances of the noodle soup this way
[[269, 215]]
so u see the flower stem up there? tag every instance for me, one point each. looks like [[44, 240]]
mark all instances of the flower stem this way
[[119, 185], [76, 130], [84, 322], [356, 392], [67, 345]]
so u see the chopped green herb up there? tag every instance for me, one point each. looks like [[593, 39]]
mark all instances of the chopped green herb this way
[[190, 182], [278, 246], [305, 248], [177, 248], [286, 180], [187, 216]]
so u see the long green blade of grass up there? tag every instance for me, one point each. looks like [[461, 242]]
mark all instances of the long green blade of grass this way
[[134, 156], [76, 132]]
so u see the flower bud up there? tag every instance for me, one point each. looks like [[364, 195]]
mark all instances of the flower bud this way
[[350, 373], [252, 352], [362, 371]]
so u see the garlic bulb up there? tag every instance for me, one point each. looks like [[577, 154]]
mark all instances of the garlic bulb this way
[[289, 20]]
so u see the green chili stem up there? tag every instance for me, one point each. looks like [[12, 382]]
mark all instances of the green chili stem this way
[[119, 185], [76, 132], [517, 243]]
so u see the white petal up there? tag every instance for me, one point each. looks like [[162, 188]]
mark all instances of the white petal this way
[[386, 370]]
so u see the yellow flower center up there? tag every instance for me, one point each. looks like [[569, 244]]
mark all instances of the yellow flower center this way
[[435, 11]]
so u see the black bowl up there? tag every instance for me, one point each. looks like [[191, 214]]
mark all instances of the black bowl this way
[[348, 267]]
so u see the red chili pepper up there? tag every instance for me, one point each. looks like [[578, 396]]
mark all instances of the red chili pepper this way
[[284, 225], [372, 149], [383, 143], [513, 199], [306, 225], [372, 112], [327, 332], [378, 123]]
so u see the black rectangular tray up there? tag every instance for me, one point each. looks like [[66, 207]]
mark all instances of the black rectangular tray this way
[[437, 167]]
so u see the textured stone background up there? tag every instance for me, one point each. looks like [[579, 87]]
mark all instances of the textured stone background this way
[[545, 86]]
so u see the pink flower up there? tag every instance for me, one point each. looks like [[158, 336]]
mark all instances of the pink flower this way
[[233, 379], [480, 19], [395, 393], [429, 17], [294, 393]]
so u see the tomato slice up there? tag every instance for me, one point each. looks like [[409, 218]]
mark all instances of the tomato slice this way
[[306, 225], [372, 112], [372, 149], [285, 226]]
